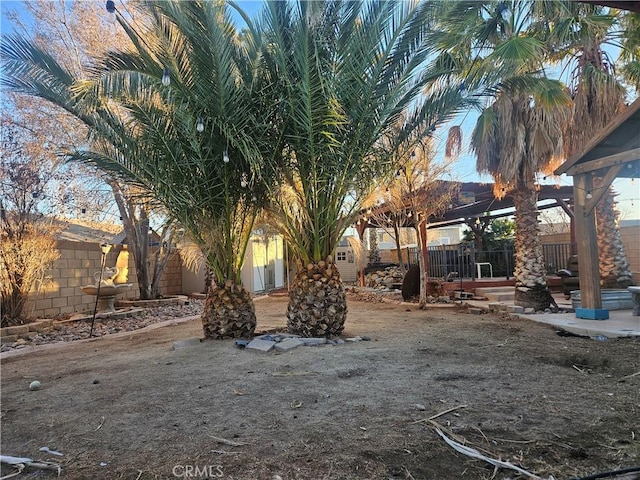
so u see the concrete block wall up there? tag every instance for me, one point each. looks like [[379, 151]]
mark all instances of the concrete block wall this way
[[631, 239], [61, 291]]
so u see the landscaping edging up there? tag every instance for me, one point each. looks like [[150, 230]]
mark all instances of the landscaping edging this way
[[172, 300], [11, 334]]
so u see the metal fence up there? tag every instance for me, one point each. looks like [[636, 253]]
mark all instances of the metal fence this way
[[462, 260]]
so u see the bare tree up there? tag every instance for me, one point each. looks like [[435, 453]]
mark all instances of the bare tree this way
[[27, 241], [413, 196], [74, 32]]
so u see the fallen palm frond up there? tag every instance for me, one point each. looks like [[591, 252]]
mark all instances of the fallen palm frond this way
[[22, 462], [473, 453]]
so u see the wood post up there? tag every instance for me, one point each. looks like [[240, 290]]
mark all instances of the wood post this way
[[587, 242]]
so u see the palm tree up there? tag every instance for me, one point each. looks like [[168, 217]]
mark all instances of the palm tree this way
[[345, 73], [181, 117], [579, 33], [519, 134]]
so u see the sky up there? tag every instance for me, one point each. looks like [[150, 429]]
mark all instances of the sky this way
[[464, 168]]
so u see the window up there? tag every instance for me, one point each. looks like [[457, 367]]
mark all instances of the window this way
[[341, 256]]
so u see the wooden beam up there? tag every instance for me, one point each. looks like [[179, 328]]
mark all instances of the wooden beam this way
[[605, 183], [600, 136], [603, 162], [588, 268], [565, 207]]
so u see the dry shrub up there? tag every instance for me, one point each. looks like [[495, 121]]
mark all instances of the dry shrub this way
[[25, 257]]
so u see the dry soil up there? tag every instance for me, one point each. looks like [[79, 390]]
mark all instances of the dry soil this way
[[132, 407]]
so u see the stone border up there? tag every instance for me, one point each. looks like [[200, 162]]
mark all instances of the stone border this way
[[11, 334], [170, 300], [54, 346]]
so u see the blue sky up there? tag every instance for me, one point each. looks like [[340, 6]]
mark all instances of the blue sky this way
[[464, 168]]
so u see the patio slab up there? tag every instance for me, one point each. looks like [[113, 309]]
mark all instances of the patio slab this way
[[621, 323]]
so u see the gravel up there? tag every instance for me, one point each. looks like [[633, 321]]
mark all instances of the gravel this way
[[65, 331]]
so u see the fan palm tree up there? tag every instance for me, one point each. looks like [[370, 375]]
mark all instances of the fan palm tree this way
[[579, 33], [520, 133], [180, 116], [345, 72]]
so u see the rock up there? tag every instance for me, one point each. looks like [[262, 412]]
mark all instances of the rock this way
[[240, 343], [353, 339], [314, 341], [420, 407], [35, 385], [260, 345], [288, 344]]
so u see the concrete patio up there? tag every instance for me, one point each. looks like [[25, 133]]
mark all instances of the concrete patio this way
[[621, 323]]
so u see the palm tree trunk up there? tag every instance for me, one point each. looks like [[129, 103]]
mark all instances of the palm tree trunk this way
[[229, 312], [615, 271], [317, 301], [529, 272]]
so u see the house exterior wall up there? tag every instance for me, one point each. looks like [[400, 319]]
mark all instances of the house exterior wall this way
[[61, 291]]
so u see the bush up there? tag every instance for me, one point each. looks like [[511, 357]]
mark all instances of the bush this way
[[25, 256]]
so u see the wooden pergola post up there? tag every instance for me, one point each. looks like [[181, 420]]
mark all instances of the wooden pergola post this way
[[587, 240]]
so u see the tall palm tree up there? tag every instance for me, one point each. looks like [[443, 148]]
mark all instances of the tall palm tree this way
[[181, 117], [580, 33], [345, 73], [520, 133]]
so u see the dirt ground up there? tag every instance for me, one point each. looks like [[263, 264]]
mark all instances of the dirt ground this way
[[131, 407]]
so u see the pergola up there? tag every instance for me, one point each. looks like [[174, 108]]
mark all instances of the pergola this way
[[613, 153], [473, 200]]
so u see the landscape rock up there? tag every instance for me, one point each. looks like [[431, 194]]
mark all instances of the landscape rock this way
[[314, 341], [260, 345], [76, 329], [288, 344]]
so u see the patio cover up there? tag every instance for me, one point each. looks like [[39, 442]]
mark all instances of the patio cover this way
[[614, 152]]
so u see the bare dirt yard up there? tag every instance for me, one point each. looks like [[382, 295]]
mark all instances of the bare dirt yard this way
[[132, 407]]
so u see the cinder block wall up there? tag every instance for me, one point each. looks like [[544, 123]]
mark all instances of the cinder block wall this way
[[61, 291], [631, 239]]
